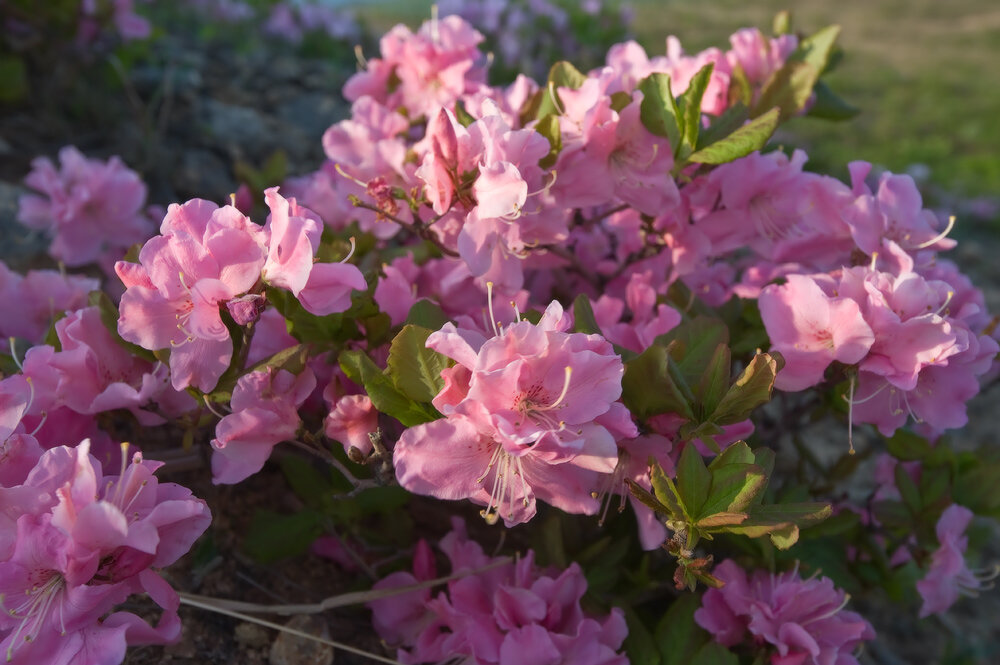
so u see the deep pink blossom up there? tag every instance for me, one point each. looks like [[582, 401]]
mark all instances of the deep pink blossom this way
[[949, 575], [91, 542], [512, 614], [802, 620]]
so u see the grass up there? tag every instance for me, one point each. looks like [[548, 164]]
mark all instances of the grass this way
[[924, 73]]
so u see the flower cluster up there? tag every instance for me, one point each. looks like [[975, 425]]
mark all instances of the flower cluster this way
[[84, 543], [206, 257], [530, 413], [803, 621], [93, 210], [501, 612]]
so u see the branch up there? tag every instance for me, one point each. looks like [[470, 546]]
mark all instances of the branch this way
[[205, 603], [341, 600]]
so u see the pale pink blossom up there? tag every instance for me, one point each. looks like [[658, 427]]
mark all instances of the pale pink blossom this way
[[92, 209]]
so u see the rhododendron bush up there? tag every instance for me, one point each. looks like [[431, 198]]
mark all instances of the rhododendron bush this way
[[695, 391]]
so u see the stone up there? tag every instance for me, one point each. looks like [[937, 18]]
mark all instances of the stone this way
[[288, 649]]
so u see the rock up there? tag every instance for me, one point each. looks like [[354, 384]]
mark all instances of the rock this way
[[312, 113], [239, 129], [290, 649], [21, 244], [251, 635], [200, 173]]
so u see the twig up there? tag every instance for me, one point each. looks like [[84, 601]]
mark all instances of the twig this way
[[574, 260], [200, 604], [342, 600], [360, 484], [417, 227]]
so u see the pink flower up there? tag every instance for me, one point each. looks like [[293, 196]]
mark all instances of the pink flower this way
[[811, 330], [205, 257], [92, 209], [949, 575], [350, 421], [95, 373], [803, 620], [265, 413], [529, 413], [512, 614], [29, 303], [89, 544]]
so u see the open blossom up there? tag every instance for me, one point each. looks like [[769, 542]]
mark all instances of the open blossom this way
[[811, 330], [92, 209], [530, 413], [429, 69], [94, 373], [292, 235], [511, 614], [265, 413], [949, 575], [204, 257], [30, 303], [804, 621], [85, 544]]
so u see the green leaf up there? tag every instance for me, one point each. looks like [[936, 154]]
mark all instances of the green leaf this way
[[427, 314], [714, 653], [583, 316], [646, 498], [907, 446], [619, 100], [790, 87], [782, 23], [658, 110], [462, 114], [677, 635], [689, 106], [908, 490], [733, 488], [752, 388], [548, 127], [693, 481], [667, 492], [698, 338], [383, 393], [639, 645], [715, 381], [731, 119], [293, 359], [750, 137], [781, 521], [13, 78], [415, 369], [272, 536], [564, 75], [828, 106], [976, 488], [305, 480], [648, 389]]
